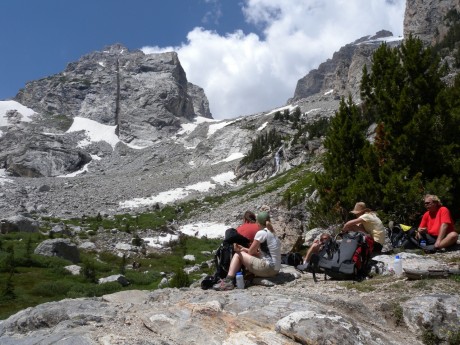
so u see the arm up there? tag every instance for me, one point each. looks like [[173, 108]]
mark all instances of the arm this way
[[423, 224], [353, 224], [252, 250]]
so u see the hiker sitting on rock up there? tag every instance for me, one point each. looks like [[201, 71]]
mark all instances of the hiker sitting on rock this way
[[368, 222], [315, 248], [243, 234], [249, 227], [262, 258], [436, 227]]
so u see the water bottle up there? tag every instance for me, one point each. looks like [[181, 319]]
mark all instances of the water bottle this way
[[239, 280], [397, 266], [423, 244]]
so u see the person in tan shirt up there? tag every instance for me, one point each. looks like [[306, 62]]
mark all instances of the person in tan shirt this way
[[368, 222]]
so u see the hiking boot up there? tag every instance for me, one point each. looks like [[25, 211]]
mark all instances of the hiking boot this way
[[224, 285]]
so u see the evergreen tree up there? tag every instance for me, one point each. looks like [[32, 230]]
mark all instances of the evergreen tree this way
[[415, 148], [401, 95], [8, 288], [345, 142]]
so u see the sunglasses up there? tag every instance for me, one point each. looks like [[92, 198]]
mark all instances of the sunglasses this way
[[428, 202]]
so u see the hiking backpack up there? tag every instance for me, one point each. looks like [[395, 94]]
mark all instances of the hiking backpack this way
[[292, 259], [222, 259], [345, 260], [402, 236]]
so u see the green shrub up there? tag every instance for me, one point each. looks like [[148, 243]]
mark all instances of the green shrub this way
[[142, 278], [52, 288], [84, 290], [453, 337], [429, 338], [7, 292], [397, 313], [89, 271], [179, 279]]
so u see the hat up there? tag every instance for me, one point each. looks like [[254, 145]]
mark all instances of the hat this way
[[262, 218], [359, 207]]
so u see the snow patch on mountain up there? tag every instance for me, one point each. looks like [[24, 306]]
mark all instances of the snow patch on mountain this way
[[180, 193], [6, 106]]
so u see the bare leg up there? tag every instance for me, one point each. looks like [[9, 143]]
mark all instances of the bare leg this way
[[314, 249], [450, 239], [238, 260]]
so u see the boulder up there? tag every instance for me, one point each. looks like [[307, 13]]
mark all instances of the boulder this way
[[73, 269], [87, 246], [60, 247], [433, 313], [115, 278], [18, 224]]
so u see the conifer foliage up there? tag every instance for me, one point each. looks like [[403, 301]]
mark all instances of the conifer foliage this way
[[414, 148], [266, 142]]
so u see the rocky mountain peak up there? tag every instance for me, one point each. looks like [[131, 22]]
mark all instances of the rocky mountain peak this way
[[342, 73], [145, 95]]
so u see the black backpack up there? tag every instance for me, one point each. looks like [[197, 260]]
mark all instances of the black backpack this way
[[347, 260], [402, 236], [292, 259], [222, 259]]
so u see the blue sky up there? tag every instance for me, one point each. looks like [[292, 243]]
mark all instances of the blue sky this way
[[246, 54]]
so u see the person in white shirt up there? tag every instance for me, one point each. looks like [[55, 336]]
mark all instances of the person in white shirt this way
[[262, 258]]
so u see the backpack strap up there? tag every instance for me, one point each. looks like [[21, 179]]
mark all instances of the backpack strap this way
[[264, 245]]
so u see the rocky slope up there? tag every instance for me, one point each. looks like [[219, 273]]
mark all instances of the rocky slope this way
[[291, 310], [426, 19]]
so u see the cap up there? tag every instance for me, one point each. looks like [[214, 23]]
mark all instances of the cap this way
[[262, 218]]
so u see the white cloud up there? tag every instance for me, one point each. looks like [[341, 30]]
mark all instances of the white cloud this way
[[245, 73]]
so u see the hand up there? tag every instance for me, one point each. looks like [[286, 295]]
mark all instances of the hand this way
[[422, 230]]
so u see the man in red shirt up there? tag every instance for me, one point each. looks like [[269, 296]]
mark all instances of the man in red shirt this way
[[244, 234], [249, 227], [437, 224]]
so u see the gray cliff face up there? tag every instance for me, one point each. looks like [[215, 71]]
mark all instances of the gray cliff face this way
[[147, 98], [200, 101], [145, 95], [342, 73], [425, 19]]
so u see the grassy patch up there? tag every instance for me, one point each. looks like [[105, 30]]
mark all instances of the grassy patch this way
[[455, 278], [363, 286], [27, 280], [397, 314]]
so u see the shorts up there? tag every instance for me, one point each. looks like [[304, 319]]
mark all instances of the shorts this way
[[261, 268]]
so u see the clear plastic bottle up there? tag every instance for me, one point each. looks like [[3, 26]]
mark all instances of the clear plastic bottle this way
[[397, 266], [239, 280]]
